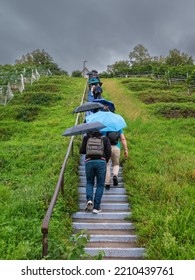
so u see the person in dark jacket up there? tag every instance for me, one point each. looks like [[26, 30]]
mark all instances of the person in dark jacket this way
[[95, 167]]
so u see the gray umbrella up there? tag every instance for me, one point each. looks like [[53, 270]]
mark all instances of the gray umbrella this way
[[88, 106], [83, 128]]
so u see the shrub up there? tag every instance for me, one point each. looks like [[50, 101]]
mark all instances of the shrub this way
[[27, 114]]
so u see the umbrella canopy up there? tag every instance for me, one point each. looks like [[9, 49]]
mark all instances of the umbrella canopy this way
[[93, 73], [83, 128], [106, 103], [87, 106], [112, 121], [89, 73]]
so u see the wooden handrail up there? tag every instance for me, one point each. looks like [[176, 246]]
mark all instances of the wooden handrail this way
[[60, 185]]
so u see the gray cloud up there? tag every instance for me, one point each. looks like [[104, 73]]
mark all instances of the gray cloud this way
[[101, 32]]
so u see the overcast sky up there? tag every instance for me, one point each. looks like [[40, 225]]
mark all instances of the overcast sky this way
[[98, 31]]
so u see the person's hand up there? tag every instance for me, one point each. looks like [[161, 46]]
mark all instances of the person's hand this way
[[126, 153]]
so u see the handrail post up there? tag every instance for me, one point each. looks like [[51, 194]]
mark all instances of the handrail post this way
[[45, 244], [72, 148], [62, 185]]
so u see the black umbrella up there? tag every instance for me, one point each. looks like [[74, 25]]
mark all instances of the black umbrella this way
[[87, 107], [83, 128]]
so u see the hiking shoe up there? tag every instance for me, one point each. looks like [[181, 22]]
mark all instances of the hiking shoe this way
[[89, 205], [96, 211], [107, 187], [115, 180]]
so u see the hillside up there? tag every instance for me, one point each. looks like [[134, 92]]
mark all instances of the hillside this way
[[159, 174], [31, 155]]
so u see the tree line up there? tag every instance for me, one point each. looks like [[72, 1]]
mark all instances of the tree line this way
[[37, 59], [141, 62], [41, 60]]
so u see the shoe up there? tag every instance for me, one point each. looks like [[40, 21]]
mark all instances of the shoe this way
[[107, 187], [96, 211], [89, 205], [115, 180]]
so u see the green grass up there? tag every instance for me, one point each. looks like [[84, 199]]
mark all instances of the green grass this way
[[31, 155], [160, 171]]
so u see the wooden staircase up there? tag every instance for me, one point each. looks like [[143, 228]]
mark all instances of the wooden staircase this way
[[110, 231]]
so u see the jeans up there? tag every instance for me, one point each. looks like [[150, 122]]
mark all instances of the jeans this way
[[95, 169], [90, 97]]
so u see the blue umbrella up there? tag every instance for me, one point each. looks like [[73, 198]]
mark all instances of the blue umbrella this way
[[106, 103], [112, 121]]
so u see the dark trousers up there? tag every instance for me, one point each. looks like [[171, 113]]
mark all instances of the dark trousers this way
[[95, 169]]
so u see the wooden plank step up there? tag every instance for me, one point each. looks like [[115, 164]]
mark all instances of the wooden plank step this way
[[109, 206], [82, 179], [112, 190], [82, 173], [101, 215], [120, 184], [117, 252], [104, 244], [100, 221], [105, 225], [113, 238], [108, 231], [82, 167], [106, 197]]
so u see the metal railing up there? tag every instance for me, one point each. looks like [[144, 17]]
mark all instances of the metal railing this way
[[60, 185]]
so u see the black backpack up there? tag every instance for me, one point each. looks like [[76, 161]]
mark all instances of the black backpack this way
[[113, 137], [95, 147]]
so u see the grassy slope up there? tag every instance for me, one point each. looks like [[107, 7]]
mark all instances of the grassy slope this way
[[31, 155], [160, 171]]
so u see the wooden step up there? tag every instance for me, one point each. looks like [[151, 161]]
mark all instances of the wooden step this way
[[109, 206], [101, 216], [82, 179], [112, 190], [120, 184], [108, 197], [103, 225], [114, 238], [117, 252], [108, 231]]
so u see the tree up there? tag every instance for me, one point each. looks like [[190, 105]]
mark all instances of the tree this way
[[76, 73], [119, 68], [176, 58], [36, 57], [41, 59], [140, 55]]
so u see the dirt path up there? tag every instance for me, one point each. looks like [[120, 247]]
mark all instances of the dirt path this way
[[125, 104]]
